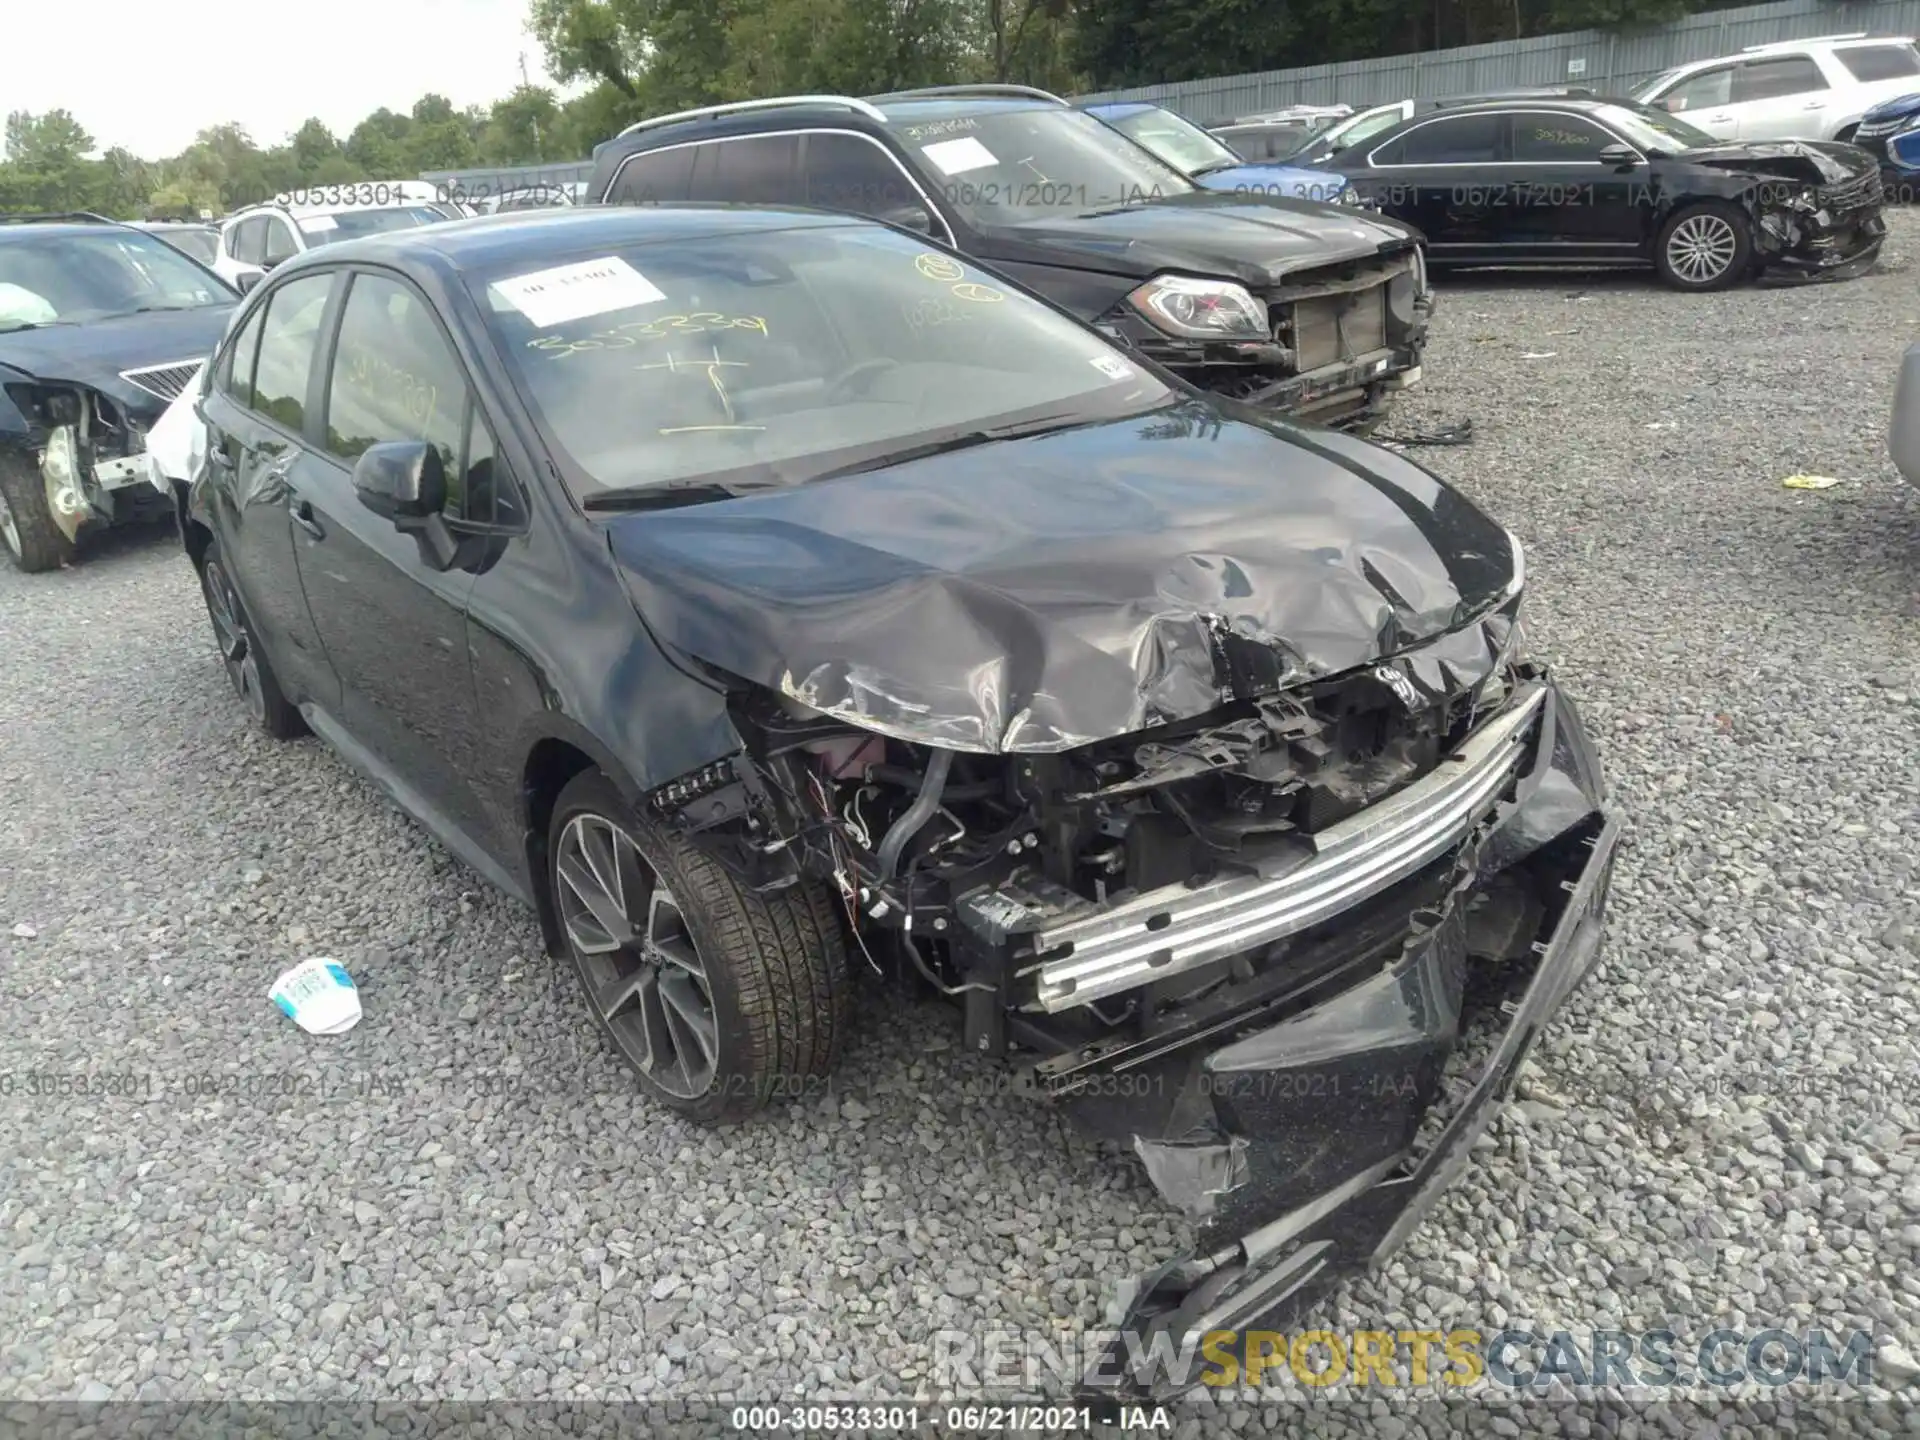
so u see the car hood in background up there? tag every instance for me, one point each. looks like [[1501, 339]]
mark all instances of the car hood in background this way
[[1290, 180], [1818, 162], [1041, 593], [95, 354], [1255, 239]]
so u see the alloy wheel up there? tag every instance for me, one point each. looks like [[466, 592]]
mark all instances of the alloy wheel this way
[[1702, 247], [9, 529], [642, 969], [230, 637]]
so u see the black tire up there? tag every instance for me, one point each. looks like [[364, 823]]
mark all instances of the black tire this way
[[248, 669], [773, 967], [1707, 246], [27, 532]]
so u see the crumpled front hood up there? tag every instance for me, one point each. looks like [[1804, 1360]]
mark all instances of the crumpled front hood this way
[[1038, 594], [1818, 162], [1255, 239], [94, 354]]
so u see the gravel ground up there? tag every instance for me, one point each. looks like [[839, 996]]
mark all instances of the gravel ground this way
[[465, 1198]]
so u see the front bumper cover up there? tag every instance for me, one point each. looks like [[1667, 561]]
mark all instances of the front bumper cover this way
[[1314, 1146]]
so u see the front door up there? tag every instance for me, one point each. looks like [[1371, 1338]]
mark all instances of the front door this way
[[393, 625], [1565, 204]]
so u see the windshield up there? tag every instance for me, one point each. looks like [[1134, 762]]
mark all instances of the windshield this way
[[49, 279], [1651, 129], [327, 227], [1659, 82], [1179, 142], [772, 357], [1011, 165]]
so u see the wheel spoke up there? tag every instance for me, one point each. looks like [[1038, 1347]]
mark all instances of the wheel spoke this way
[[690, 1018], [606, 916], [616, 998]]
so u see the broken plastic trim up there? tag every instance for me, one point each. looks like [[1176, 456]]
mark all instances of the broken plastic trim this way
[[1177, 929]]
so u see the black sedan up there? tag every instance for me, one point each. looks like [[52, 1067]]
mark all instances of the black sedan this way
[[739, 586], [1593, 183]]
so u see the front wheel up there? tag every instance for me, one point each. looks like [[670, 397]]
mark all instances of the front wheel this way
[[34, 543], [1704, 247], [721, 998]]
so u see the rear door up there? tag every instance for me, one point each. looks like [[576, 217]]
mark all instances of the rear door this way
[[653, 177], [393, 626], [1444, 177], [257, 409]]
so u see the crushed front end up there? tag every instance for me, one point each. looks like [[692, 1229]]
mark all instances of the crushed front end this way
[[1330, 344], [1817, 208], [88, 445], [1246, 944]]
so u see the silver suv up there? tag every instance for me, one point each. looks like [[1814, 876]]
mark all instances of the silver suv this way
[[1790, 90]]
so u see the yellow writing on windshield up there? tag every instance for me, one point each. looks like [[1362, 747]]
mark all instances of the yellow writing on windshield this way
[[627, 336]]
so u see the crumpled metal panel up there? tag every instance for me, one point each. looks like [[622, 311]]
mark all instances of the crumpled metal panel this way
[[1039, 594]]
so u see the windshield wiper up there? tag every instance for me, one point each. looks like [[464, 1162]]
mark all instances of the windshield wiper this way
[[152, 309], [984, 436], [32, 325], [664, 496]]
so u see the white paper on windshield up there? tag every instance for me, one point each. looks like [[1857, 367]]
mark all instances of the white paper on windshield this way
[[1113, 365], [316, 224], [956, 157], [573, 292]]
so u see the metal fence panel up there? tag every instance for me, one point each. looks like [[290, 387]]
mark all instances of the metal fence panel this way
[[1598, 59]]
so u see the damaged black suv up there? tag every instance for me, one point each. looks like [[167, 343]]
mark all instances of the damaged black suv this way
[[735, 587], [1313, 310], [101, 326]]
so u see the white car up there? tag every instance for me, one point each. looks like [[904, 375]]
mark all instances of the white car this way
[[1790, 90], [254, 240]]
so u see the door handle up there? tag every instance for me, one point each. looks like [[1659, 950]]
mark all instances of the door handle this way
[[1718, 119], [1815, 105], [302, 512], [218, 458]]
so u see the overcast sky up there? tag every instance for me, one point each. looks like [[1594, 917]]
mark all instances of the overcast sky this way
[[149, 77]]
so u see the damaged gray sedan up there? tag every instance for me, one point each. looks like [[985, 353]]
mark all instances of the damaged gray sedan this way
[[743, 616]]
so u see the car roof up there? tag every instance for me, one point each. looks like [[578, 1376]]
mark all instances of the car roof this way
[[1511, 102], [486, 241]]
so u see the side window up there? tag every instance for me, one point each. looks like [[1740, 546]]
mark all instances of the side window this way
[[1705, 91], [250, 240], [1368, 126], [849, 172], [488, 500], [396, 378], [288, 339], [1770, 79], [1867, 63], [280, 243], [653, 178], [235, 377], [1551, 139], [1461, 140], [754, 170]]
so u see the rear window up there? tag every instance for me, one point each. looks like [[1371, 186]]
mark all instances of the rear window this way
[[324, 229], [1880, 62]]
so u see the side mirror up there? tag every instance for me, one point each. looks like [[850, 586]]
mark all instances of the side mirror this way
[[402, 480], [909, 217], [247, 279], [1620, 157]]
